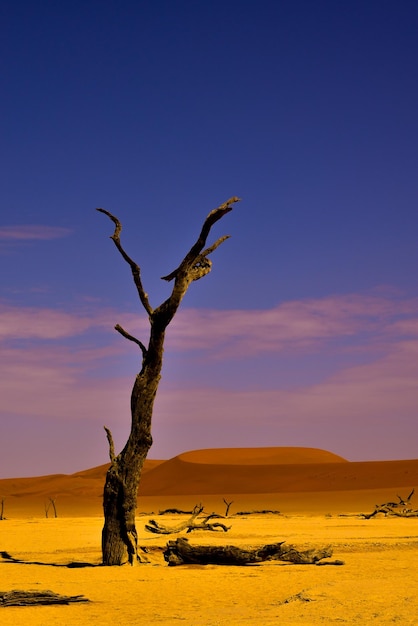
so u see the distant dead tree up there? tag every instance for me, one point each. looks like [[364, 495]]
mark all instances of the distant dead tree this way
[[228, 506], [2, 509], [48, 506], [119, 535]]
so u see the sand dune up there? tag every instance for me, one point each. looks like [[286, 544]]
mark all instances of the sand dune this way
[[304, 475], [260, 456], [179, 477]]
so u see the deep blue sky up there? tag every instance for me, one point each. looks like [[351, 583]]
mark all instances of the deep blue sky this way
[[159, 111]]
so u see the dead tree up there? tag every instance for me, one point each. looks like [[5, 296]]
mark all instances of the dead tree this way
[[228, 506], [48, 506], [2, 509], [119, 536], [180, 552], [395, 509]]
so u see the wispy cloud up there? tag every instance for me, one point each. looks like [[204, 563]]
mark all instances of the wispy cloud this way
[[66, 366], [18, 322], [297, 325], [27, 232], [55, 383], [39, 323]]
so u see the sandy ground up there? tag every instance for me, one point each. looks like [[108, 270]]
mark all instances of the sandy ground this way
[[320, 497], [377, 584]]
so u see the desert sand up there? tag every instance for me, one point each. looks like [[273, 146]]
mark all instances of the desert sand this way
[[320, 497]]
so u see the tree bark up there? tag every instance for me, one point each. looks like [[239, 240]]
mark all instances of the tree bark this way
[[119, 535]]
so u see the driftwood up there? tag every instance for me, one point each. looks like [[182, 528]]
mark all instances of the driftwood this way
[[189, 525], [160, 529], [205, 525], [402, 508], [17, 597], [180, 552]]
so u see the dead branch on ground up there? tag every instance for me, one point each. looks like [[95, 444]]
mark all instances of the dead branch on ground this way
[[189, 525], [17, 597]]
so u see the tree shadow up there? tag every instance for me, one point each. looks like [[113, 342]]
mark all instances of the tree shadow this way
[[72, 564]]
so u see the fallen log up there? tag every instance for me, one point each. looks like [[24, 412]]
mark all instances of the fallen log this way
[[180, 552], [17, 597]]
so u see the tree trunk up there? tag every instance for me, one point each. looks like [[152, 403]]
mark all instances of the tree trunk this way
[[119, 535]]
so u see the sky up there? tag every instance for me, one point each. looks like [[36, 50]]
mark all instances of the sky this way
[[305, 333]]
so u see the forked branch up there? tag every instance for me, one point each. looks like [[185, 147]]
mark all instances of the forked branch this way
[[194, 254]]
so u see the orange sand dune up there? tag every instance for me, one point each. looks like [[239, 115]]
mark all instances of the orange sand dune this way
[[260, 456], [302, 477], [184, 475]]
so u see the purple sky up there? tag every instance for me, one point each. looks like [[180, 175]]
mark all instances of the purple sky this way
[[306, 331]]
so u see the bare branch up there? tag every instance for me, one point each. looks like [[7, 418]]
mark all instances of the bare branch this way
[[215, 245], [214, 216], [123, 332], [111, 444], [136, 272]]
